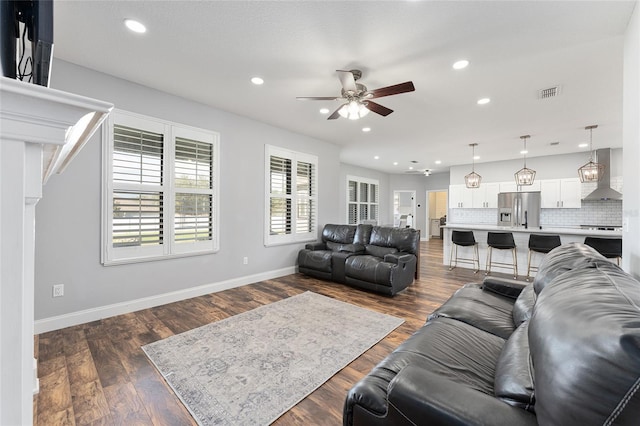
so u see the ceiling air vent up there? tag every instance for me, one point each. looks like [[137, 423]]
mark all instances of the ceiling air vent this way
[[549, 92]]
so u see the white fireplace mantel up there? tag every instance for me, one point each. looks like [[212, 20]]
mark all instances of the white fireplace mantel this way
[[41, 130]]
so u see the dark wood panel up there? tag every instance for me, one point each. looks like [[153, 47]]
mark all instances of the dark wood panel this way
[[97, 373]]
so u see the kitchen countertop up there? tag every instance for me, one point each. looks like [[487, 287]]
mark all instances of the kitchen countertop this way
[[544, 230]]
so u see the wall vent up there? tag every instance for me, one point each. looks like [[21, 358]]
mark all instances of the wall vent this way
[[549, 92]]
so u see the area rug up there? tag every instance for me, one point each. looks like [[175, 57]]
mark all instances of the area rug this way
[[251, 368]]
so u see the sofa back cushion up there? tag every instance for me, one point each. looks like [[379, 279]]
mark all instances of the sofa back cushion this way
[[363, 234], [562, 259], [523, 307], [584, 338], [341, 234], [514, 372], [404, 239]]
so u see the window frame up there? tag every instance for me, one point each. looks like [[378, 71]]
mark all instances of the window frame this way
[[295, 158], [169, 248], [359, 202]]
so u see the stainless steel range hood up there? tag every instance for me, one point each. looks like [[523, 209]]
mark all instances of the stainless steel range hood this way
[[604, 190]]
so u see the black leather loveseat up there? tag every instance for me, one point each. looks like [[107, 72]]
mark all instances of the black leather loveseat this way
[[563, 350], [376, 258]]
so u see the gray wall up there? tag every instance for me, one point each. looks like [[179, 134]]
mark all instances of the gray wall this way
[[68, 217], [631, 145]]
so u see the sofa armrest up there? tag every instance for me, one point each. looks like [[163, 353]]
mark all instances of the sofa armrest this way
[[504, 286], [398, 258], [315, 246], [423, 397]]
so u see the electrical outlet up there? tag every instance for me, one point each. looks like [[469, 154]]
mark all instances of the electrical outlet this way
[[245, 260], [58, 290]]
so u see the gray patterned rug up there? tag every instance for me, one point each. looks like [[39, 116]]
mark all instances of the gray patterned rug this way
[[251, 368]]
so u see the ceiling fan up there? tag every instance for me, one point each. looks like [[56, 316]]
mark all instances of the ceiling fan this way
[[357, 97]]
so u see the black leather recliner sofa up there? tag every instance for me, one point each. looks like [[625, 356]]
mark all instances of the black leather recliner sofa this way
[[563, 350], [376, 258]]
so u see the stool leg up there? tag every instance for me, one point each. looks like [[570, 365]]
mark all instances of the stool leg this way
[[515, 263], [488, 261], [451, 257], [528, 267], [454, 247], [476, 258]]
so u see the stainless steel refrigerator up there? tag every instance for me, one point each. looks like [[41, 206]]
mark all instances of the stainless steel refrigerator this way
[[519, 209]]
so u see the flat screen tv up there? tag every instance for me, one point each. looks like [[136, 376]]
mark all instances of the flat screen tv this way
[[37, 16]]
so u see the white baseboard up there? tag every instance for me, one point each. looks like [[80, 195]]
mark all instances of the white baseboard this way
[[80, 317]]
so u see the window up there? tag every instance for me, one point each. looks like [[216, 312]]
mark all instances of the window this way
[[160, 189], [291, 191], [362, 200]]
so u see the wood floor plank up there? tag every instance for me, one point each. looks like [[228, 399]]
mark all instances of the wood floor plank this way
[[97, 373]]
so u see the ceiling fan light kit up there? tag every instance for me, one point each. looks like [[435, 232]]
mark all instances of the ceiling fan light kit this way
[[525, 176], [358, 98], [472, 180], [592, 171]]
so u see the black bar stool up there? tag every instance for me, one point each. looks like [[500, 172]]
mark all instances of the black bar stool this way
[[540, 243], [502, 241], [608, 247], [464, 239]]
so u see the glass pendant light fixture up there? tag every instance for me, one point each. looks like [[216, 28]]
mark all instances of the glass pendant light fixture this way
[[592, 171], [525, 176], [472, 180], [353, 110]]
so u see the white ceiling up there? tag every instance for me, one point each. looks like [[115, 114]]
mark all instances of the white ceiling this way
[[207, 51]]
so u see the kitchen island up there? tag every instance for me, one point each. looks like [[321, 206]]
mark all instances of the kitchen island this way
[[521, 238]]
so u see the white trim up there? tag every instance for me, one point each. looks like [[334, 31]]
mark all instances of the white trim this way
[[88, 315], [358, 203]]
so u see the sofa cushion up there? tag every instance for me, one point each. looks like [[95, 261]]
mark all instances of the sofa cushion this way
[[562, 259], [523, 306], [369, 268], [485, 310], [441, 347], [514, 372], [351, 248], [342, 234], [378, 251], [584, 337], [403, 239]]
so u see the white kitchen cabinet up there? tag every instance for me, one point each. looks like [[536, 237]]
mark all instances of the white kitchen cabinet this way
[[460, 197], [486, 197], [513, 187], [560, 193]]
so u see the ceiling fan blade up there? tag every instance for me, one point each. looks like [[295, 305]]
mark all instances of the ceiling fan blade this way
[[347, 81], [335, 114], [377, 108], [392, 90], [317, 98]]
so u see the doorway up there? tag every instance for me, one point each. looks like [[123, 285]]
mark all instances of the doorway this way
[[437, 205], [404, 209]]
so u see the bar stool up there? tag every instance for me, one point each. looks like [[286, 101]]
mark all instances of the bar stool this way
[[464, 239], [608, 247], [540, 243], [502, 241]]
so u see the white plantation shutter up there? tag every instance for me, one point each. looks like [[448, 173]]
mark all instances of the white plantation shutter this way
[[160, 189], [291, 188], [362, 199]]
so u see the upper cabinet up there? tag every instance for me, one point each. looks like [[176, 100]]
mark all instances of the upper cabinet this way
[[486, 196], [560, 193], [460, 197]]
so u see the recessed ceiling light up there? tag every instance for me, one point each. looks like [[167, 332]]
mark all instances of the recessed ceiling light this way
[[377, 157], [324, 110], [366, 129], [257, 81], [583, 145], [410, 167], [460, 64], [395, 163], [135, 26], [477, 157], [524, 151], [483, 101], [438, 162]]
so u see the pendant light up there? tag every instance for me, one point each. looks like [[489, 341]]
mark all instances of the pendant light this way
[[472, 180], [525, 176], [592, 171]]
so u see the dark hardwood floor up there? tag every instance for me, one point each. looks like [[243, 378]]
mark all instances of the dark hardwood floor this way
[[97, 374]]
